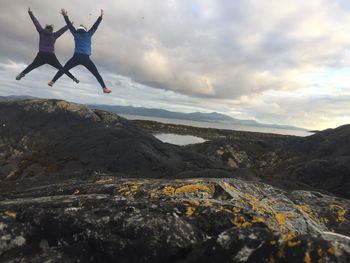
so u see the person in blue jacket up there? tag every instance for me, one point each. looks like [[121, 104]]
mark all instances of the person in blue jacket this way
[[46, 54], [82, 52]]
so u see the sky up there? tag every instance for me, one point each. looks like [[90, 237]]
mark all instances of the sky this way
[[282, 62]]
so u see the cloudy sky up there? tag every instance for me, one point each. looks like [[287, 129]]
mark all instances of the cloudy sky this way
[[283, 62]]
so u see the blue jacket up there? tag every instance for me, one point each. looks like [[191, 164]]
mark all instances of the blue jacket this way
[[82, 38]]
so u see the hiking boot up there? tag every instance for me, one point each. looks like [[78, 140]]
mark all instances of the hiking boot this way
[[106, 90], [51, 83], [20, 75]]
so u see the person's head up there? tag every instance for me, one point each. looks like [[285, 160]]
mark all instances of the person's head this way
[[49, 28], [82, 28]]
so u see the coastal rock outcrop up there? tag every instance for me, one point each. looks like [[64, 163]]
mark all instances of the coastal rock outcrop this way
[[82, 185], [54, 136], [320, 161], [107, 219]]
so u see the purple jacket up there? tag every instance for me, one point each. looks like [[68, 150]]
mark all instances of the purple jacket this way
[[47, 40]]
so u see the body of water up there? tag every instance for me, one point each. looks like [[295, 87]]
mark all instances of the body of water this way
[[220, 125], [178, 139]]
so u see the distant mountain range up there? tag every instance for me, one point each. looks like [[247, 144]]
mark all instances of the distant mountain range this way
[[195, 116], [160, 113]]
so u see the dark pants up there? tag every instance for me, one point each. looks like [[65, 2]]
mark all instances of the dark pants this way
[[46, 58], [80, 59]]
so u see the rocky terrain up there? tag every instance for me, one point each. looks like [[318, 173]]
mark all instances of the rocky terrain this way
[[321, 161], [82, 185]]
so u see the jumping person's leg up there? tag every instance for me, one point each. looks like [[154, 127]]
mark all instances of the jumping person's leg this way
[[92, 68], [53, 61], [37, 62], [70, 64]]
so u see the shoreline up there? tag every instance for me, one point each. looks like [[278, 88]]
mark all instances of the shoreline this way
[[154, 127]]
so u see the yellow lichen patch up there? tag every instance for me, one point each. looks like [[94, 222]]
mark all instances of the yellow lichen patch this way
[[104, 181], [195, 188], [271, 201], [293, 243], [340, 211], [168, 190], [129, 189], [190, 211], [307, 258], [11, 214], [194, 202], [76, 192], [258, 220], [281, 218], [303, 208], [288, 236], [313, 215], [230, 187], [236, 210], [240, 222]]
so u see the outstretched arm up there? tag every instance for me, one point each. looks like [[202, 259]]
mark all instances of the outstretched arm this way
[[58, 33], [35, 21], [68, 22], [97, 23]]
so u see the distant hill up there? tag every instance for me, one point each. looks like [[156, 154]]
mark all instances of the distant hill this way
[[195, 116], [11, 98]]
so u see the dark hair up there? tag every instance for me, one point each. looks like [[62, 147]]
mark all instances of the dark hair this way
[[49, 28]]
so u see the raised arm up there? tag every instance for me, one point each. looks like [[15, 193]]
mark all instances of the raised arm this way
[[58, 33], [68, 22], [97, 23], [35, 21]]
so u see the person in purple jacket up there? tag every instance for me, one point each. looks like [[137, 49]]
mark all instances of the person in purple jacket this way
[[46, 54], [82, 52]]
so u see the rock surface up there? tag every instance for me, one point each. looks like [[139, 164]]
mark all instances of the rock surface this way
[[66, 194], [53, 136], [106, 219], [320, 161]]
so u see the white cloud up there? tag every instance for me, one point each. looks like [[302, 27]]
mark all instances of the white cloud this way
[[271, 60]]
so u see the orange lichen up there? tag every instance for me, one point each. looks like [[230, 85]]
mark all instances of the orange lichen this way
[[281, 218], [258, 220], [288, 236], [340, 211], [303, 208], [293, 243], [307, 258], [236, 209], [195, 188], [190, 211], [129, 189], [168, 190], [240, 222], [313, 215]]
